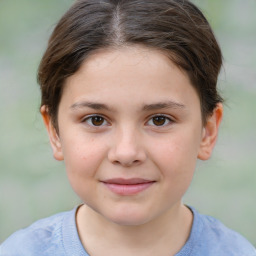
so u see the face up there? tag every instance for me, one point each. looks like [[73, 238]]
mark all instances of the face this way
[[130, 133]]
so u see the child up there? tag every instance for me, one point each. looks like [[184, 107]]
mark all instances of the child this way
[[130, 103]]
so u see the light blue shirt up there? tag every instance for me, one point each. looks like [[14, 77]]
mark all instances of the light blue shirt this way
[[58, 236]]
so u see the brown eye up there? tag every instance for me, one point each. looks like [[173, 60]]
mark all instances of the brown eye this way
[[96, 121], [159, 120]]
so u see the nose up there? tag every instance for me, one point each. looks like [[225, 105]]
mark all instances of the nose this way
[[127, 149]]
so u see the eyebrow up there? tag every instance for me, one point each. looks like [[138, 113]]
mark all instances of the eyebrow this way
[[163, 105], [147, 107], [88, 104]]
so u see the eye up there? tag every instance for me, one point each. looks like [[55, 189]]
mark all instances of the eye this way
[[95, 120], [159, 120]]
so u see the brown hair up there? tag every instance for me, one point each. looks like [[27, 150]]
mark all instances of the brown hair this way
[[177, 27]]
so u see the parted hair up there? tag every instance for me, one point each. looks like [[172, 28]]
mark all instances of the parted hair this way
[[176, 27]]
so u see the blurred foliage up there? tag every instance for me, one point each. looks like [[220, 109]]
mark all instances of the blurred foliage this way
[[33, 185]]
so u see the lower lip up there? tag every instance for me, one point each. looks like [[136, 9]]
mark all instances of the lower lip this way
[[127, 190]]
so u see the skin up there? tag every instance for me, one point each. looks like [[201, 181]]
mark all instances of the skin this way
[[126, 89]]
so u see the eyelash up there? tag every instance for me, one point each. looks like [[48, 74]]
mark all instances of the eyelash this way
[[167, 120], [89, 120]]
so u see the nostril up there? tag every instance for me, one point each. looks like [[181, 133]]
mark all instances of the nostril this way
[[126, 154], [126, 163]]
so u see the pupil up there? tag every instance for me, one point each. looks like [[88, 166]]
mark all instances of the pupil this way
[[159, 120], [97, 120]]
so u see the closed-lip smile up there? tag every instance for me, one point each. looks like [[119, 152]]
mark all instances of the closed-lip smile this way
[[126, 187]]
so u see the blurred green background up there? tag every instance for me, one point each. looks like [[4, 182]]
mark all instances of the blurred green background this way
[[33, 185]]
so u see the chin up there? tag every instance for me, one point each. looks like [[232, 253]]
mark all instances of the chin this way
[[124, 214], [128, 218]]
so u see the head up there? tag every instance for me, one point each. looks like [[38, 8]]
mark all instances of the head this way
[[177, 28], [130, 102]]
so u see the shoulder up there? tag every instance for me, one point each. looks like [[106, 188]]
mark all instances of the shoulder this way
[[44, 236], [214, 238]]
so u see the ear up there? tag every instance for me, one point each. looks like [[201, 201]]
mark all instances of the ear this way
[[210, 133], [53, 135]]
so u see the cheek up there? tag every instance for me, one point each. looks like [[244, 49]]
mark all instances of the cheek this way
[[82, 160], [176, 157], [176, 150], [82, 156]]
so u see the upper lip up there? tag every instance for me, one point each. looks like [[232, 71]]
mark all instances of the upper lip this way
[[122, 181]]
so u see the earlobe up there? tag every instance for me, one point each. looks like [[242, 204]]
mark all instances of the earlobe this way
[[53, 135], [210, 133]]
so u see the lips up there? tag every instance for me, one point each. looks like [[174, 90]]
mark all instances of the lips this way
[[127, 187]]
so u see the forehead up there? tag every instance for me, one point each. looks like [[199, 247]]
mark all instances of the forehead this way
[[128, 56], [136, 73]]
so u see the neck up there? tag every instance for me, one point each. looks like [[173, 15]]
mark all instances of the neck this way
[[165, 235]]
